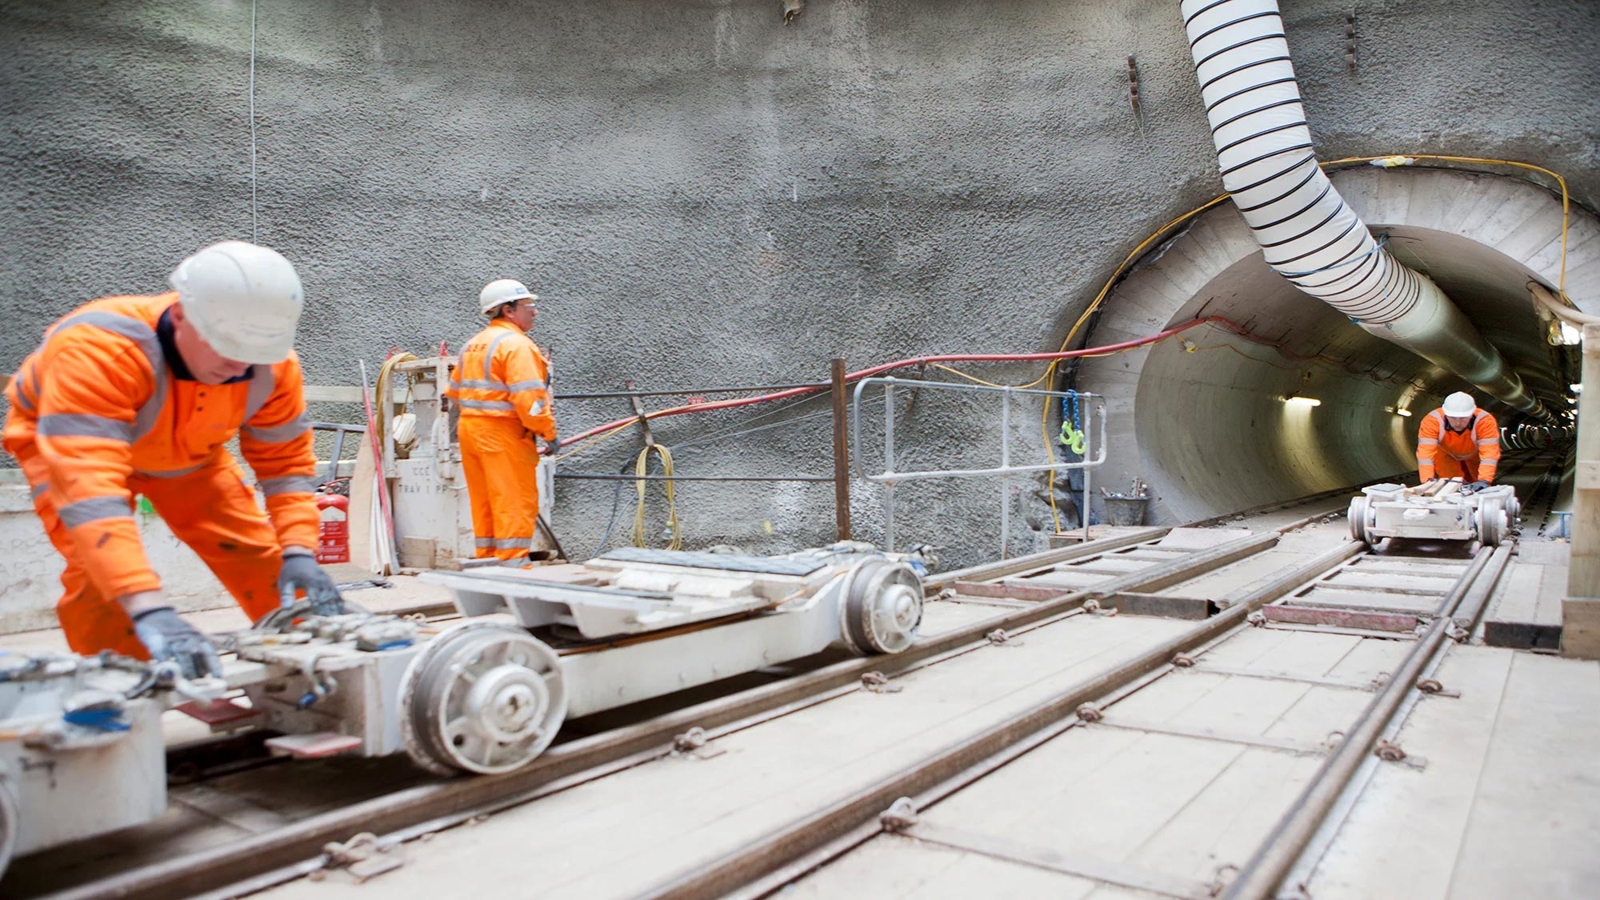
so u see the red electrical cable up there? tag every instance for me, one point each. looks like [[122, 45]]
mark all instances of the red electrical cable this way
[[906, 363]]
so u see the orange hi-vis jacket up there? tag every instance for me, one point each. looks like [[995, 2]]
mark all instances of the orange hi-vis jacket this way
[[97, 415], [503, 374], [502, 387], [1472, 455]]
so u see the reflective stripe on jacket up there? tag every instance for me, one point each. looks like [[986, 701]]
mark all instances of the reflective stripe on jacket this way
[[97, 406], [502, 373], [1480, 441]]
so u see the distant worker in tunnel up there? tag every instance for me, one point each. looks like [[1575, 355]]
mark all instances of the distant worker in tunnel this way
[[138, 396], [501, 386], [1459, 440]]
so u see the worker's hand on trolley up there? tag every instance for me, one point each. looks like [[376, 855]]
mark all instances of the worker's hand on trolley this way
[[1474, 487], [168, 637], [301, 573]]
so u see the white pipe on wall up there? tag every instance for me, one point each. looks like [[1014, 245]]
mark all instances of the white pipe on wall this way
[[1307, 232]]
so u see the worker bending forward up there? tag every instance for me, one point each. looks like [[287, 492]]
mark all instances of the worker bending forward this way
[[501, 388], [1459, 440], [138, 395]]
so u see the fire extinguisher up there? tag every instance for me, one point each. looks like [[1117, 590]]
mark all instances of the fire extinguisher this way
[[333, 540]]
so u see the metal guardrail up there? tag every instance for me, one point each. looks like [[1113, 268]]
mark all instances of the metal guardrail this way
[[339, 430], [889, 477]]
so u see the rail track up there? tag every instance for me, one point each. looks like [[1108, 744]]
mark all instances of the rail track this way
[[1227, 583]]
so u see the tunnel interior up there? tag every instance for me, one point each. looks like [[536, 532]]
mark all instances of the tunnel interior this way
[[1279, 395]]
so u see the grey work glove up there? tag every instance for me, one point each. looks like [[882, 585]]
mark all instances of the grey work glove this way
[[168, 637], [552, 446], [301, 572], [1474, 487]]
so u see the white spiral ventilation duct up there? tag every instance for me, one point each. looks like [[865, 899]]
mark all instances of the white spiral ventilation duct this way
[[1307, 232]]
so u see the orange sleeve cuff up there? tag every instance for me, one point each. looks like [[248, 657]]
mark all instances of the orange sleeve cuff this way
[[296, 520]]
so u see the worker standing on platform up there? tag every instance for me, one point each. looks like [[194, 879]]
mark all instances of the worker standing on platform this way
[[501, 385], [138, 395], [1459, 440]]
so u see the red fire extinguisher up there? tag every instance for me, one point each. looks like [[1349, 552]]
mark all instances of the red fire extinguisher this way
[[333, 543]]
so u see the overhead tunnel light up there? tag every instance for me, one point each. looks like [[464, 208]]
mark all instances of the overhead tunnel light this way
[[1302, 401], [1403, 412]]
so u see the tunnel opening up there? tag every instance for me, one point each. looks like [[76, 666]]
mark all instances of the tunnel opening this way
[[1280, 396]]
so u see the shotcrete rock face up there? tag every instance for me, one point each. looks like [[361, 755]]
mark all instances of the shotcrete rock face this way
[[699, 194]]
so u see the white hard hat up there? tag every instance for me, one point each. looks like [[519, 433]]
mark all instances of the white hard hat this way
[[244, 300], [1460, 404], [504, 290]]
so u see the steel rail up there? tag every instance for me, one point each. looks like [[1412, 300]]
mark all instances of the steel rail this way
[[805, 835], [1276, 856], [284, 847], [412, 811]]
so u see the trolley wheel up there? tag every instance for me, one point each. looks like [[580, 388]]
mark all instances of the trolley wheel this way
[[484, 697], [882, 607], [10, 819], [1357, 514], [1493, 522]]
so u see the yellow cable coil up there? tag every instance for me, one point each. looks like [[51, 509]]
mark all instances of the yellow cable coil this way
[[640, 468], [385, 394]]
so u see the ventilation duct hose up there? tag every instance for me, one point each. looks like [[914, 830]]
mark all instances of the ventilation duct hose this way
[[1307, 232]]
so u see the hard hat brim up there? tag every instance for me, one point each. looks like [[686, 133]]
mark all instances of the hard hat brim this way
[[263, 350]]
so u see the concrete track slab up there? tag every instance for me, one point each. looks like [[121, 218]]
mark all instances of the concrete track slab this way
[[1507, 804], [941, 616], [1292, 549], [617, 835], [1200, 538], [905, 868], [1333, 598], [1390, 581], [1537, 808]]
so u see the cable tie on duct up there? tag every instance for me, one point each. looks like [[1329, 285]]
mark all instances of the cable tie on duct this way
[[1379, 242]]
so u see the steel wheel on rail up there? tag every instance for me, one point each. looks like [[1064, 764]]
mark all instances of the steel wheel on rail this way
[[1493, 523], [10, 819], [882, 606], [1357, 514], [485, 697]]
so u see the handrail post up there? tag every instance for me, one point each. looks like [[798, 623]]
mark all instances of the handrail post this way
[[841, 454], [888, 463], [1087, 469], [1005, 480]]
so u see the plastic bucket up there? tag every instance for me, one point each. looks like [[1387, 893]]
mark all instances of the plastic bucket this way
[[1125, 510]]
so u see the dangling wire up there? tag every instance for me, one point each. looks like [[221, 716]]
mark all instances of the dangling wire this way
[[253, 229], [640, 468]]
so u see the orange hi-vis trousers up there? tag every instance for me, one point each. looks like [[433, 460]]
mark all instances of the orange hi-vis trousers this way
[[213, 512], [500, 462]]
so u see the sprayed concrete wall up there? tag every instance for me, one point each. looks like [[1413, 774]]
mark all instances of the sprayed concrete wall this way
[[702, 195]]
